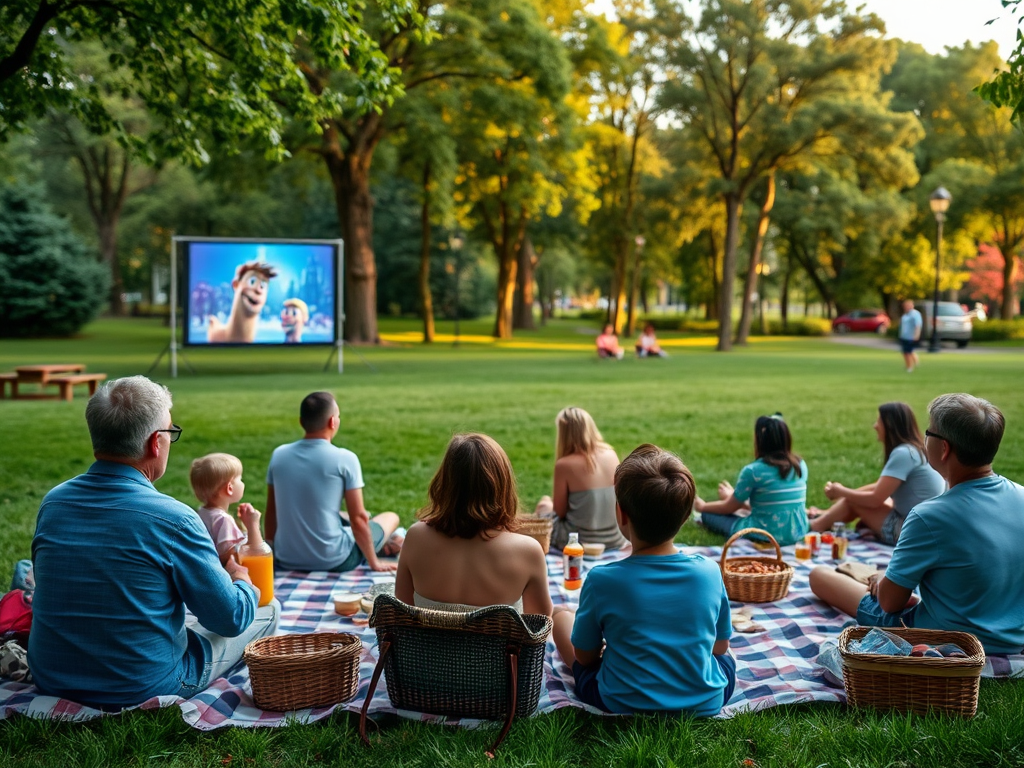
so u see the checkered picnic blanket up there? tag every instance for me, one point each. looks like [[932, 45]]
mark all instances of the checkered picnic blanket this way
[[774, 667]]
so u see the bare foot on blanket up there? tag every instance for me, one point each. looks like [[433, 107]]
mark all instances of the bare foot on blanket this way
[[393, 545], [813, 512]]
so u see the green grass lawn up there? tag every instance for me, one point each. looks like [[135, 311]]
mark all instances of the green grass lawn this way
[[398, 415]]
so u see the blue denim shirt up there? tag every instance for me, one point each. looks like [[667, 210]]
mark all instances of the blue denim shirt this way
[[116, 563]]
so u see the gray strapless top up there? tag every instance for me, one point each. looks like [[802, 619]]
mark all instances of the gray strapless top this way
[[425, 602], [591, 514]]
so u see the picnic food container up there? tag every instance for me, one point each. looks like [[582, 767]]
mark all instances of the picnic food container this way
[[347, 603], [299, 671], [538, 528], [593, 550], [752, 579], [912, 683]]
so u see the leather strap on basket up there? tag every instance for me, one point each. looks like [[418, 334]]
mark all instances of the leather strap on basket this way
[[744, 532], [385, 648], [513, 684]]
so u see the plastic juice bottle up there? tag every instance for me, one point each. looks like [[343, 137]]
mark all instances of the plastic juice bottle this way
[[572, 559], [257, 556]]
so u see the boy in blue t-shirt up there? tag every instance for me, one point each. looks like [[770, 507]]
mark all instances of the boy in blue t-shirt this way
[[662, 617]]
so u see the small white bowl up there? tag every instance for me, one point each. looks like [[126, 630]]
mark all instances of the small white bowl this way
[[593, 550], [347, 603]]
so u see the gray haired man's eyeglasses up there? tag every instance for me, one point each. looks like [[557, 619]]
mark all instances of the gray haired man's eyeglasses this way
[[174, 432]]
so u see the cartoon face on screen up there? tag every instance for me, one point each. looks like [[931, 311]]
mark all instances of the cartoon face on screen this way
[[294, 317], [250, 287]]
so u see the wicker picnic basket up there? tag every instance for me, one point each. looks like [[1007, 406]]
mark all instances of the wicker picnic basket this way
[[913, 684], [766, 586], [538, 528], [298, 671]]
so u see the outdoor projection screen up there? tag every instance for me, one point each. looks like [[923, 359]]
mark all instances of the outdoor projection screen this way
[[260, 292]]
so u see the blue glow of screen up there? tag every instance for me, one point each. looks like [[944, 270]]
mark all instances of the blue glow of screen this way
[[221, 314]]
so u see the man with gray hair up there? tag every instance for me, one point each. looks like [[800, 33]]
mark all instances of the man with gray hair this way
[[117, 562], [962, 548]]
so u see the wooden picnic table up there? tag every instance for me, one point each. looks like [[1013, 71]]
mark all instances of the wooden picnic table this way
[[63, 375]]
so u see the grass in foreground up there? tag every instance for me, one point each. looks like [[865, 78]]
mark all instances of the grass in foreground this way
[[398, 418]]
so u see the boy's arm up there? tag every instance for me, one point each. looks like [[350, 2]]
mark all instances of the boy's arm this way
[[270, 515], [587, 658], [720, 648]]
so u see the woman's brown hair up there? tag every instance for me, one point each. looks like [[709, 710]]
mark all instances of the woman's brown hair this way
[[474, 490], [900, 427]]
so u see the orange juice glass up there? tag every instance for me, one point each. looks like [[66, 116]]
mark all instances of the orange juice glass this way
[[803, 551], [261, 571]]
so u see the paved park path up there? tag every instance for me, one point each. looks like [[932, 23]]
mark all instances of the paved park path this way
[[873, 341]]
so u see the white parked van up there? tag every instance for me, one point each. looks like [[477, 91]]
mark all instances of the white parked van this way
[[954, 323]]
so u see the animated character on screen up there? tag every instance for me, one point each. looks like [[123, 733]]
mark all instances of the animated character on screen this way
[[294, 317], [250, 287]]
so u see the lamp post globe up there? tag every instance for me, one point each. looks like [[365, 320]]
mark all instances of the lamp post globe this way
[[938, 201]]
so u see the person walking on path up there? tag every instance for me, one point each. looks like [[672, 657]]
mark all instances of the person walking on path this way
[[910, 333]]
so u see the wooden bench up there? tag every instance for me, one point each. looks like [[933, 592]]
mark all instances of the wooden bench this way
[[11, 377], [67, 381]]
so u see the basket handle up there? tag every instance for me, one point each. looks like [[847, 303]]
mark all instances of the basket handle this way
[[745, 531], [385, 647], [513, 683]]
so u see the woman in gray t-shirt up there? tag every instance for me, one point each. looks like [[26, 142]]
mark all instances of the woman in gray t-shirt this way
[[906, 480]]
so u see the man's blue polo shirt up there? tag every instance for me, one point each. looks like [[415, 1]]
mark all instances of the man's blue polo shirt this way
[[116, 563]]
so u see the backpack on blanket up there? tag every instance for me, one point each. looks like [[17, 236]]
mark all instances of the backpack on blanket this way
[[15, 617]]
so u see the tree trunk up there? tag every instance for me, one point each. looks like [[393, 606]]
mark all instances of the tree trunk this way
[[711, 307], [619, 286], [522, 314], [732, 235], [508, 266], [1006, 307], [426, 300], [784, 298], [350, 175], [634, 292], [756, 248], [107, 229]]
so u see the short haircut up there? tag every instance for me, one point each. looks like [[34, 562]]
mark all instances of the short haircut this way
[[124, 413], [474, 490], [210, 473], [655, 491], [300, 305], [260, 267], [316, 410], [973, 427]]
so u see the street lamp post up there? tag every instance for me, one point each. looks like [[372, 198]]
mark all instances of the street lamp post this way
[[939, 201], [456, 242]]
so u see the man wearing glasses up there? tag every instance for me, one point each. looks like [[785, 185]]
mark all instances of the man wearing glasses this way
[[961, 549], [117, 562]]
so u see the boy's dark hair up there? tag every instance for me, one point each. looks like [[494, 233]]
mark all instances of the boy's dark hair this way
[[655, 491], [315, 411], [773, 444]]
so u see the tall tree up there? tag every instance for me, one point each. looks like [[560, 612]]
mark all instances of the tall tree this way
[[207, 69], [762, 83]]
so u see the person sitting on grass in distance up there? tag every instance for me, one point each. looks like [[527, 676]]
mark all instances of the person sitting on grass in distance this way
[[307, 481], [117, 562], [216, 481], [652, 631], [584, 493], [907, 479], [771, 493], [608, 344], [464, 553], [962, 548], [647, 344]]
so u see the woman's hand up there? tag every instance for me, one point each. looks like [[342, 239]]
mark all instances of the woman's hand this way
[[834, 490], [724, 490], [873, 581]]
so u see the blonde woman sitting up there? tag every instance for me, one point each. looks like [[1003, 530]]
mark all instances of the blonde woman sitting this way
[[463, 553], [583, 499]]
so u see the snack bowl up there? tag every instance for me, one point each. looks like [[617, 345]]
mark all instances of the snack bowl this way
[[347, 603], [593, 550]]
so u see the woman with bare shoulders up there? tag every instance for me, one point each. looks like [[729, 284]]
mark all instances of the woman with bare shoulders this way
[[583, 500], [464, 553]]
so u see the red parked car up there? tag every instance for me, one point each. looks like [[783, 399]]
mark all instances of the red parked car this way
[[871, 320]]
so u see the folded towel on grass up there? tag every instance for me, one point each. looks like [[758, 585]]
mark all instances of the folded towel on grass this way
[[776, 666]]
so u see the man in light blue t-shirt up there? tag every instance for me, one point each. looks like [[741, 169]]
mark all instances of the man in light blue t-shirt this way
[[910, 333], [961, 549], [306, 483]]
